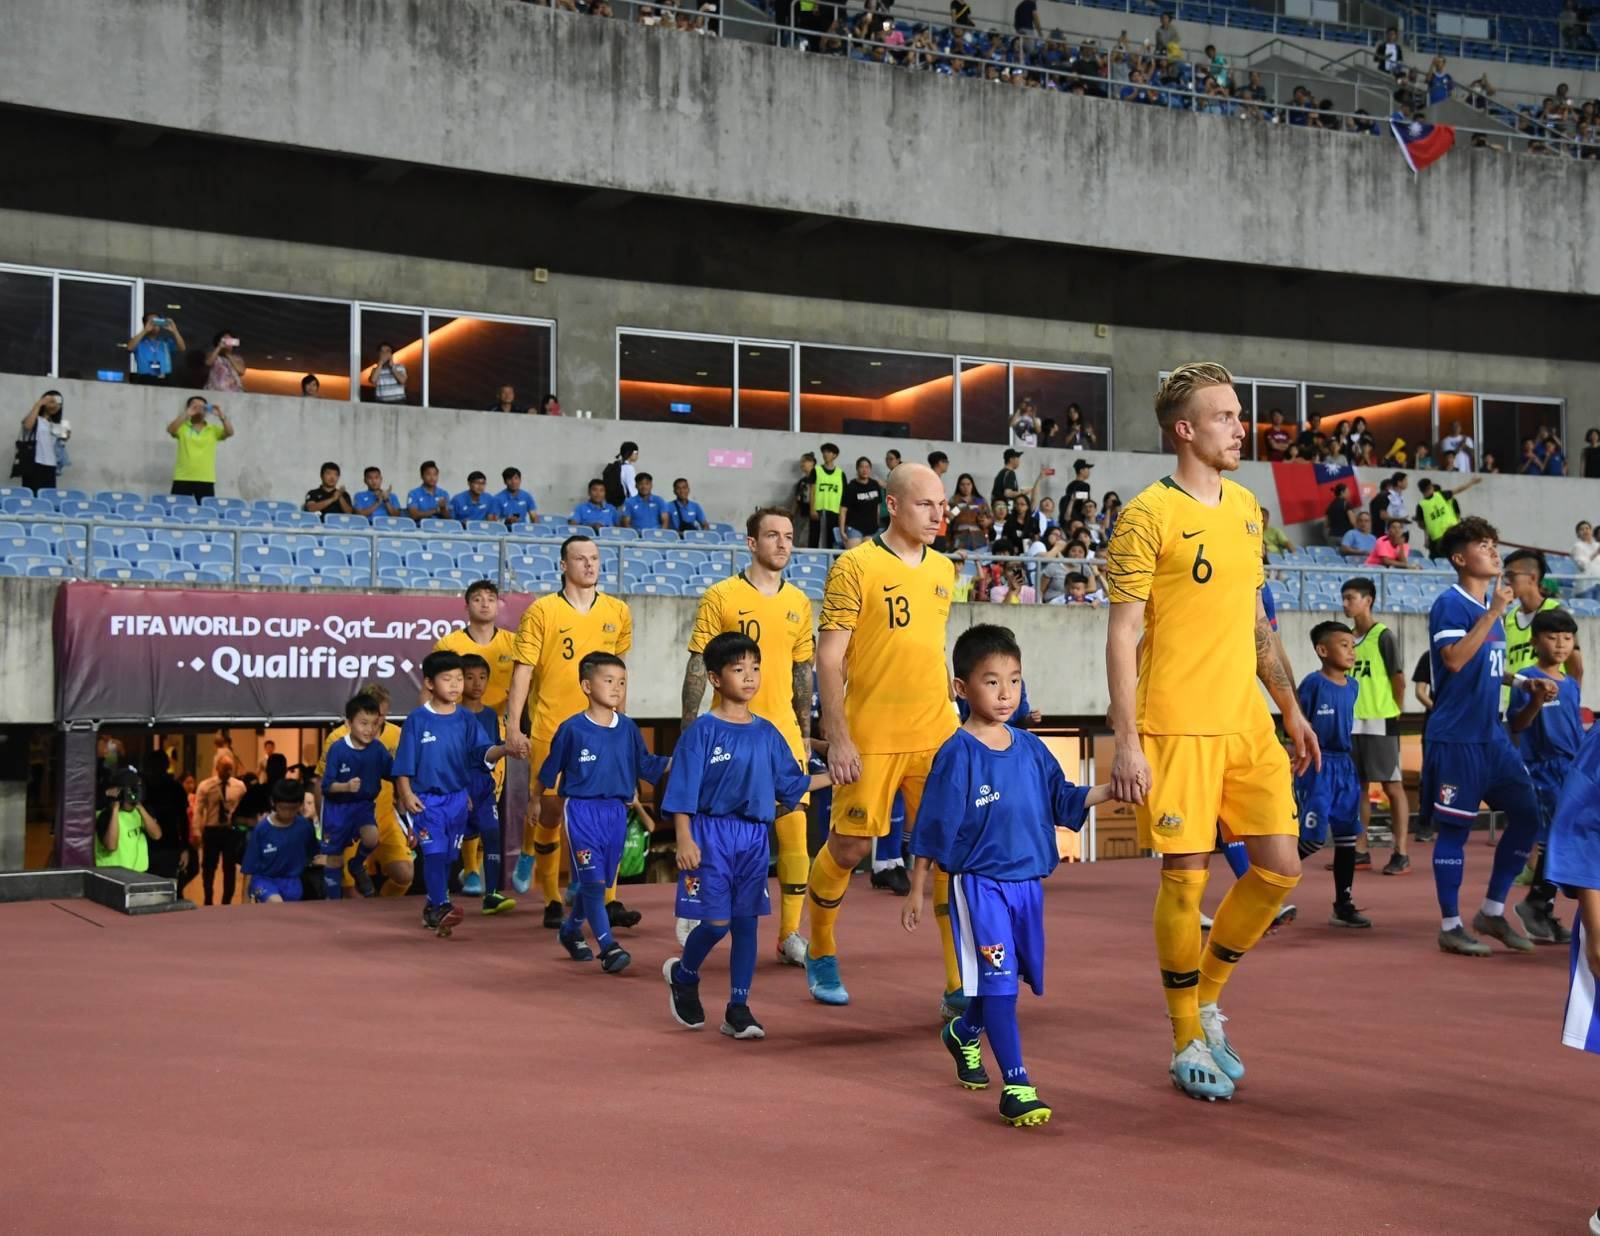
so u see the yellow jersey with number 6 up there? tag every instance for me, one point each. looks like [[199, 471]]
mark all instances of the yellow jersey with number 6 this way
[[897, 685], [1198, 570], [780, 624], [553, 637]]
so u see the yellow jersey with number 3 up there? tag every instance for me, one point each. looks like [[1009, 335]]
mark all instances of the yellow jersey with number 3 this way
[[499, 652], [1198, 570], [781, 627], [897, 686], [553, 637]]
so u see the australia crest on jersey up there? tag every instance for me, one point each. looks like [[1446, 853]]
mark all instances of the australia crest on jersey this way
[[1252, 528]]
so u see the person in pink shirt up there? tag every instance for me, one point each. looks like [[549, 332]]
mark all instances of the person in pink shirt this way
[[1391, 549]]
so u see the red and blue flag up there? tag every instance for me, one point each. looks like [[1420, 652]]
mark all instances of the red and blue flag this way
[[1421, 143], [1305, 489]]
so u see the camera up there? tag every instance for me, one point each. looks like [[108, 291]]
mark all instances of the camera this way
[[230, 341], [161, 321], [129, 786]]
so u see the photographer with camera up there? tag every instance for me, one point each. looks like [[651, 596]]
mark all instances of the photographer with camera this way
[[387, 377], [224, 365], [216, 799], [194, 472], [153, 349], [39, 446], [125, 829]]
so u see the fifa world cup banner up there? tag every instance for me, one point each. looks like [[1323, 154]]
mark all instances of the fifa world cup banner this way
[[174, 655]]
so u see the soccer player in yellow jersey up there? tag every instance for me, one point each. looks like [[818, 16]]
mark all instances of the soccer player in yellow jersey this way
[[393, 855], [886, 705], [758, 602], [557, 632], [481, 637], [1194, 739]]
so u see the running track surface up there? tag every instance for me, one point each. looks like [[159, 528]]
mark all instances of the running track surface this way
[[331, 1067]]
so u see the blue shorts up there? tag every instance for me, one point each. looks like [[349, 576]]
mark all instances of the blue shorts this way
[[1330, 799], [341, 822], [731, 881], [441, 825], [998, 927], [1457, 776], [483, 816], [596, 829], [262, 887], [1547, 776], [1581, 1028]]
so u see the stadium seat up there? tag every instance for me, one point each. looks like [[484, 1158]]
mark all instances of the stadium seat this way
[[48, 570], [444, 545], [257, 557], [702, 536], [116, 497], [296, 519], [394, 523], [275, 506], [85, 508], [725, 529], [338, 519], [479, 564], [129, 574], [141, 511], [293, 541], [699, 583], [25, 546], [262, 577], [146, 551], [812, 588], [487, 527], [58, 496], [11, 570], [319, 559], [182, 572], [27, 506], [673, 569], [658, 534], [215, 503], [618, 534], [169, 501], [178, 536], [454, 575], [428, 561], [659, 588]]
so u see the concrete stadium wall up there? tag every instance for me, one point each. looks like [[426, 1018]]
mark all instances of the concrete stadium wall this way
[[518, 90], [1063, 650], [588, 310]]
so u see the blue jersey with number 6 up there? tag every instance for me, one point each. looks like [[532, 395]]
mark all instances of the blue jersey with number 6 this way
[[1466, 703]]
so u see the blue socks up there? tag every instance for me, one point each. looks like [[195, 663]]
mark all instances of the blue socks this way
[[492, 861], [436, 878], [742, 960], [996, 1017], [592, 897], [333, 881], [1449, 855], [697, 948], [1512, 850], [1238, 857]]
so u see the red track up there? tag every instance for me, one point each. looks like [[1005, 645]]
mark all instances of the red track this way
[[333, 1068]]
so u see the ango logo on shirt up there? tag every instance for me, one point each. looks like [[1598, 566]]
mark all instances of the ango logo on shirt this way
[[587, 756], [428, 736], [719, 756], [986, 795]]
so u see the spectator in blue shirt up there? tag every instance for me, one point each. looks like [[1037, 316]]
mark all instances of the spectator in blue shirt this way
[[685, 513], [646, 509], [152, 349], [596, 512], [427, 500], [473, 503], [514, 504], [375, 499], [1358, 542], [1548, 448]]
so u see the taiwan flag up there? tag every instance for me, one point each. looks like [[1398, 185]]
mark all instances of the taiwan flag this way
[[1421, 143], [1305, 489]]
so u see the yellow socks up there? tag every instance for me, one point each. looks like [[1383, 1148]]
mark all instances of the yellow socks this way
[[472, 855], [793, 868], [547, 863], [826, 889], [1177, 922], [1242, 919], [947, 939]]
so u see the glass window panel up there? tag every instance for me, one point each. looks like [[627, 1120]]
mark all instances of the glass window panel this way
[[1397, 421], [886, 394], [25, 323], [401, 329], [1072, 404], [281, 338], [1267, 399], [470, 359], [985, 402], [1512, 434], [765, 381], [94, 326], [688, 381]]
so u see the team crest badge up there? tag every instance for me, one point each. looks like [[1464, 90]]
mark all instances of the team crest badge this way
[[792, 616], [610, 628], [856, 813], [1252, 528], [994, 954], [1169, 823], [691, 886], [1447, 794], [940, 591], [583, 857]]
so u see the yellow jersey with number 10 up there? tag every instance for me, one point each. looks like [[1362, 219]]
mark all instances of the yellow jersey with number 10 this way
[[897, 684], [1198, 570], [553, 637], [499, 652], [781, 627]]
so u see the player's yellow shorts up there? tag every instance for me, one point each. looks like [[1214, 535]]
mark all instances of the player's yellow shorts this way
[[1199, 780], [862, 808]]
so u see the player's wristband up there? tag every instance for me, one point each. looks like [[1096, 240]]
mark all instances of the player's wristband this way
[[1519, 682]]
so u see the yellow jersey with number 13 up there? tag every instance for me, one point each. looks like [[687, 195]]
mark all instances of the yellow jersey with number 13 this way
[[781, 627], [897, 685], [553, 637], [1198, 570]]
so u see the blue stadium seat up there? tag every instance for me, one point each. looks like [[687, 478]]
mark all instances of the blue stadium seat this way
[[275, 506], [658, 534], [454, 575], [320, 560], [394, 522], [130, 574], [812, 588], [27, 506], [293, 541], [48, 570], [224, 504], [725, 529], [58, 496], [86, 508], [14, 528], [805, 570], [487, 527], [444, 527], [618, 534], [25, 546], [11, 570], [699, 583], [169, 501], [411, 578], [702, 536], [337, 519], [178, 536], [191, 515], [658, 588], [428, 561], [479, 564], [141, 511], [263, 577], [672, 569], [234, 517], [257, 557], [146, 551], [389, 560], [551, 532], [296, 519], [117, 497], [210, 557], [444, 545]]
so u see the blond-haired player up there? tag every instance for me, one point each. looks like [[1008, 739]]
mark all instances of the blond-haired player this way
[[757, 602], [483, 637], [557, 631], [393, 856], [886, 706], [1194, 739]]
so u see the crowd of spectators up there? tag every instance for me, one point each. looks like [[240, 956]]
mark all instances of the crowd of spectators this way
[[1352, 442]]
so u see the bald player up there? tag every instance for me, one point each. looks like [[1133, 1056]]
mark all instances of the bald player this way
[[886, 706], [393, 856], [556, 633], [483, 637], [758, 602]]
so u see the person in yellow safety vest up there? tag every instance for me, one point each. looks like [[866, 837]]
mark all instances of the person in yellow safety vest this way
[[1437, 511], [123, 836], [1524, 571], [1380, 674], [827, 496]]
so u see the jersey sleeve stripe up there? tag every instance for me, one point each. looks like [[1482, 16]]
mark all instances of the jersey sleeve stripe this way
[[1452, 634]]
